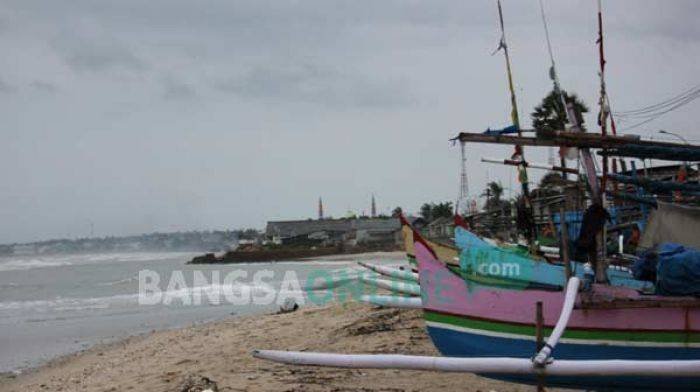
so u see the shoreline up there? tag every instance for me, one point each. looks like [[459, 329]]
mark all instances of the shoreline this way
[[220, 350], [46, 321], [288, 255]]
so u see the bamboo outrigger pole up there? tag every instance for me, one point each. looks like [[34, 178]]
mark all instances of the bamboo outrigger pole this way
[[561, 367], [569, 301], [542, 166], [393, 301], [394, 273]]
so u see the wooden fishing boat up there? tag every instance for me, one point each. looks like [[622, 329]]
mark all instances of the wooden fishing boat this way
[[470, 319], [604, 338], [488, 264]]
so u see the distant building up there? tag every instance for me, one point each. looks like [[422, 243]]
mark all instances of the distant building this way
[[320, 209], [441, 228], [332, 231]]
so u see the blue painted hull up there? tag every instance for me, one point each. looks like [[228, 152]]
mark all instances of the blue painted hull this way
[[479, 258], [453, 343]]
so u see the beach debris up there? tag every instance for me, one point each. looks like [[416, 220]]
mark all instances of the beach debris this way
[[289, 305], [199, 384], [380, 321]]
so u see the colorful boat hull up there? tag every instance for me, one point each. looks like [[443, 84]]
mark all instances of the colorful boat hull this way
[[468, 319], [485, 263]]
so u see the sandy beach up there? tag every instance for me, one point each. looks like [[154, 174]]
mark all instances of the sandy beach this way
[[220, 351]]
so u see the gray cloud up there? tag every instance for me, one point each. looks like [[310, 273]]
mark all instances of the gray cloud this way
[[97, 55], [315, 84], [254, 108], [7, 88], [44, 86], [176, 90]]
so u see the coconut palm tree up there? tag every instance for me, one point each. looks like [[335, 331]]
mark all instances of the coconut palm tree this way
[[550, 115], [493, 194]]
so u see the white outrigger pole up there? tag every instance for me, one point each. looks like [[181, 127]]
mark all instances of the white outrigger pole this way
[[326, 284], [394, 286], [396, 273], [569, 301], [541, 364], [611, 367], [393, 301]]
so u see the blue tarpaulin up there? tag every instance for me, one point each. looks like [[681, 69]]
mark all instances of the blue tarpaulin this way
[[678, 270], [575, 218], [506, 130]]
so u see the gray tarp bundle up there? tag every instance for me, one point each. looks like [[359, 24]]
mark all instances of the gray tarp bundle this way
[[675, 153], [672, 223], [657, 186]]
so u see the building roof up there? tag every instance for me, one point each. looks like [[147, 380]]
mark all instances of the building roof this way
[[304, 227], [442, 221]]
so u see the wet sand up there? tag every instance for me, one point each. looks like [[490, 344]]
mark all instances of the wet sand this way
[[220, 351]]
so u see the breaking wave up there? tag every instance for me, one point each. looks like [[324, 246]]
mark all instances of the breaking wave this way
[[19, 264], [15, 264], [61, 304], [134, 278]]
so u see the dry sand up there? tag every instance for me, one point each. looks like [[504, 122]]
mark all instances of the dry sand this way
[[220, 351]]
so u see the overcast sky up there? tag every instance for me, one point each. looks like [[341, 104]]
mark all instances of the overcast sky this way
[[176, 115]]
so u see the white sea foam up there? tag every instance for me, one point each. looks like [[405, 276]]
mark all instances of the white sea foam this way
[[20, 264], [134, 278], [24, 263], [66, 304], [293, 263]]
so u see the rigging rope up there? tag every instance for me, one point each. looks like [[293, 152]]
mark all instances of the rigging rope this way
[[685, 96], [652, 112]]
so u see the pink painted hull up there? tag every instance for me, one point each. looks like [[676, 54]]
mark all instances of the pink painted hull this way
[[446, 292]]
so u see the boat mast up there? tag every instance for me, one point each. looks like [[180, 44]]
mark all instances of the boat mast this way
[[555, 81], [464, 183], [604, 110], [604, 93], [518, 154], [502, 45]]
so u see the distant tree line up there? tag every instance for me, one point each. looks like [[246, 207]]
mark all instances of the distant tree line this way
[[210, 241]]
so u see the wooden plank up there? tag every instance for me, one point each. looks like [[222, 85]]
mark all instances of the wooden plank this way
[[568, 139]]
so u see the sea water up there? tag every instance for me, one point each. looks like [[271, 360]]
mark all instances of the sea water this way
[[54, 305]]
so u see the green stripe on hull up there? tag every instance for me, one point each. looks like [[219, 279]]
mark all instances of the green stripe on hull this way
[[528, 331]]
